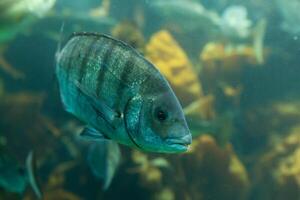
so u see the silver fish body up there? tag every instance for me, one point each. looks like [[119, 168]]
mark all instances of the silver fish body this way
[[117, 92]]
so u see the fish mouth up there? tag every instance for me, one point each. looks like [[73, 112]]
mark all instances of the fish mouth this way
[[179, 144]]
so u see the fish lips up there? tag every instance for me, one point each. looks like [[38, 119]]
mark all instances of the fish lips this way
[[179, 144]]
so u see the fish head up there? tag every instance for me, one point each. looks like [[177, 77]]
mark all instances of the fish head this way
[[161, 125]]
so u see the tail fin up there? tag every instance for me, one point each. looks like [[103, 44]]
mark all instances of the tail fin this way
[[30, 169]]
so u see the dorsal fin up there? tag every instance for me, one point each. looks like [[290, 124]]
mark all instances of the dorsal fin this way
[[102, 35]]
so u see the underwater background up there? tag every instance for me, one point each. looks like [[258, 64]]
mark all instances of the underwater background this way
[[233, 64]]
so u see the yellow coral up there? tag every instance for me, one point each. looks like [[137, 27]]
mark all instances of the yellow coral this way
[[149, 169], [290, 167], [168, 56], [205, 160], [129, 32], [153, 175], [203, 108], [165, 194], [222, 67], [237, 168], [228, 56], [281, 166]]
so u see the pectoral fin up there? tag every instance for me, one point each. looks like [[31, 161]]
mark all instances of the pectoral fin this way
[[104, 158], [101, 108], [90, 133]]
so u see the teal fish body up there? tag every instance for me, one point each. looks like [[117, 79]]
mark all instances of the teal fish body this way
[[12, 176], [183, 14], [120, 95], [15, 178]]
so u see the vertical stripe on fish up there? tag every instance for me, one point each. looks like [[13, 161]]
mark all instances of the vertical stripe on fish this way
[[126, 72], [106, 58]]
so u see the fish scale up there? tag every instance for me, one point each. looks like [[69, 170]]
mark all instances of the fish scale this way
[[84, 66], [109, 68], [69, 67], [108, 50]]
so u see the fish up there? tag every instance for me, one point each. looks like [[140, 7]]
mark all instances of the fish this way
[[15, 17], [104, 158], [119, 95], [289, 11], [15, 178], [85, 13], [189, 15]]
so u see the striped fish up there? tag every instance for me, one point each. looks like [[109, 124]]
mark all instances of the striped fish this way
[[17, 15], [119, 95]]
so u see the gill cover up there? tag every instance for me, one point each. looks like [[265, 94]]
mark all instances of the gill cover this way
[[133, 119]]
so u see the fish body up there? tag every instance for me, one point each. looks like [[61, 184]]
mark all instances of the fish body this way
[[14, 177], [289, 11], [179, 7], [190, 15], [120, 95]]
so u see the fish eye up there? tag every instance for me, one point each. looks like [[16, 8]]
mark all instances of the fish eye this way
[[161, 115]]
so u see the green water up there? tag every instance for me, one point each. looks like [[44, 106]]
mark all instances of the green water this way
[[243, 57]]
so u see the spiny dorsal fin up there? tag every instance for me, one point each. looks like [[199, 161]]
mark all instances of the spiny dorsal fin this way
[[102, 35]]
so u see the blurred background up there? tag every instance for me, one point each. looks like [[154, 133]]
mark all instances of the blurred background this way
[[233, 64]]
